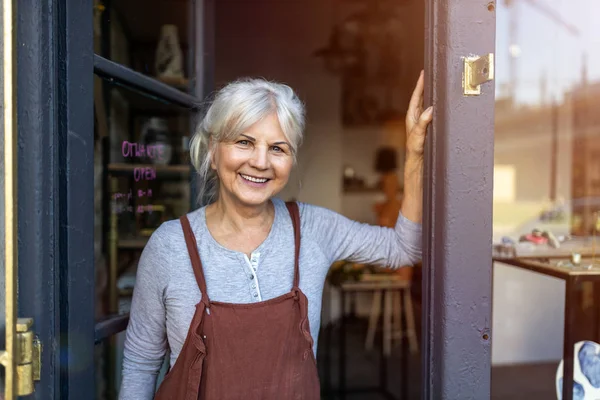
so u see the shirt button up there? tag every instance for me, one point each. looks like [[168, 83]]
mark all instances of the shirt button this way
[[255, 294], [253, 286], [251, 277]]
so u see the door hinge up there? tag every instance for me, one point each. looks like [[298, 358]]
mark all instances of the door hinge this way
[[28, 357], [477, 70]]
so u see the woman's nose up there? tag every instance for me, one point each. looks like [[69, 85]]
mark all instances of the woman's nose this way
[[260, 158]]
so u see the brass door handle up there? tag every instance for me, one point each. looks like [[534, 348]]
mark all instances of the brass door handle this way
[[477, 71]]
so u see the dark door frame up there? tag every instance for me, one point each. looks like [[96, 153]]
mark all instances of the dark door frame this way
[[55, 190], [56, 66], [457, 226], [56, 265]]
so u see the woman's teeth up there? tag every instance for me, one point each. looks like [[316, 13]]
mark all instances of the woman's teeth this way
[[253, 179]]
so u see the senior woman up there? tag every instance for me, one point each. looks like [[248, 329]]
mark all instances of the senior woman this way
[[233, 289]]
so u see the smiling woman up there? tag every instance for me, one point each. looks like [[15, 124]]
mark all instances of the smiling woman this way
[[229, 288], [259, 124], [255, 166]]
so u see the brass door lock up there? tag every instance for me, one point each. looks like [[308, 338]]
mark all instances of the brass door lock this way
[[28, 357], [477, 70]]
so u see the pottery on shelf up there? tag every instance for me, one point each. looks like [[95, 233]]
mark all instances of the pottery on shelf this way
[[169, 57]]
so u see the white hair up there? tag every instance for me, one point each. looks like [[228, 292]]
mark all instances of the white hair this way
[[235, 108]]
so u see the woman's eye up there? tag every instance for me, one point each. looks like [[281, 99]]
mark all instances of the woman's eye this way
[[243, 142], [277, 149]]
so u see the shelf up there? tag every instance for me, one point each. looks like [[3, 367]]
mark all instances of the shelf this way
[[137, 243], [162, 171]]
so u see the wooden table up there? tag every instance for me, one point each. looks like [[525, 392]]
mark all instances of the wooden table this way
[[345, 288], [545, 264]]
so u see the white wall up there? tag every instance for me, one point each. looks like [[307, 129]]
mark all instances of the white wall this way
[[528, 316]]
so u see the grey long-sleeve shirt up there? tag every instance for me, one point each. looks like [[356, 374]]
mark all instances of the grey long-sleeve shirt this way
[[166, 292]]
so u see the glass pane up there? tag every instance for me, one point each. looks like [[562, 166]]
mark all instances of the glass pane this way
[[546, 192], [142, 177], [154, 37]]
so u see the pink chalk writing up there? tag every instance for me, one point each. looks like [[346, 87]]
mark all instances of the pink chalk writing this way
[[145, 208], [123, 201], [128, 196], [121, 208], [152, 151], [118, 196], [144, 174]]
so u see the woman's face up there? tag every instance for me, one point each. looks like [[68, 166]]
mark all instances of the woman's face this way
[[255, 166]]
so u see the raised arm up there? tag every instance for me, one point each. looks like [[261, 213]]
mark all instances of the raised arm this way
[[145, 341], [417, 121], [341, 238]]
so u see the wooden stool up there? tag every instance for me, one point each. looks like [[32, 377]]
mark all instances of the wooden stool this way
[[393, 310]]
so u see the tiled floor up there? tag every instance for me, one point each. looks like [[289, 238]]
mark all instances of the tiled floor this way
[[531, 382]]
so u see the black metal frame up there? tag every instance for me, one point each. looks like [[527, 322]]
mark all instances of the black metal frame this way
[[121, 75], [457, 226], [76, 192], [38, 184], [55, 160], [55, 183]]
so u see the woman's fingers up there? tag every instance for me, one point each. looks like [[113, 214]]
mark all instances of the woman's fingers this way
[[415, 141], [417, 120], [425, 119], [415, 105]]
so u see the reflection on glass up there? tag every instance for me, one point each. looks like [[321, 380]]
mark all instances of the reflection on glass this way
[[146, 172], [546, 184], [142, 179], [152, 37], [547, 157]]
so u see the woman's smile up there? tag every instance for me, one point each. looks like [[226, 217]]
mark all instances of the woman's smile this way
[[254, 181]]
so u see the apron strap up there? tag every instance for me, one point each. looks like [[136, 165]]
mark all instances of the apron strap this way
[[192, 246], [292, 207]]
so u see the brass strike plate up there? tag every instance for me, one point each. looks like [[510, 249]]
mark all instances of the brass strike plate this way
[[477, 70], [28, 358]]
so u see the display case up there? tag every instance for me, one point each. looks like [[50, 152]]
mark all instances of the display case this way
[[147, 95]]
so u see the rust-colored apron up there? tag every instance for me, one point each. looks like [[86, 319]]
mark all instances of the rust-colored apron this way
[[245, 351]]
